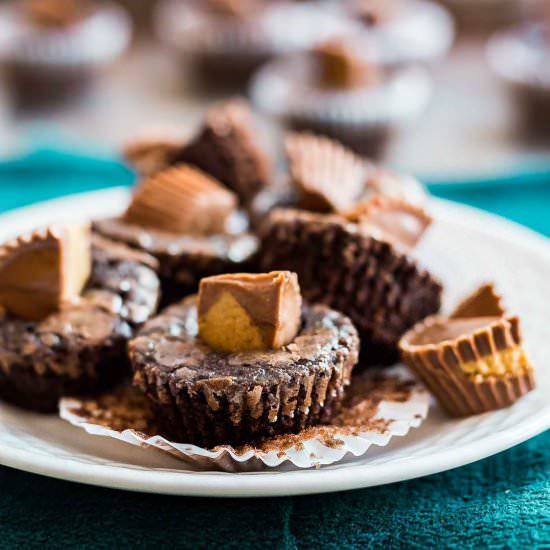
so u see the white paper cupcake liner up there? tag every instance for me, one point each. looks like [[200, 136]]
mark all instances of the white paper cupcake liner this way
[[284, 27], [397, 402], [96, 41]]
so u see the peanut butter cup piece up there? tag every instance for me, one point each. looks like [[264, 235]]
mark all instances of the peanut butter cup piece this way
[[56, 13], [341, 67], [181, 199], [42, 270], [391, 219], [472, 365], [244, 311], [149, 156], [483, 302], [207, 397], [381, 289], [326, 175], [227, 149]]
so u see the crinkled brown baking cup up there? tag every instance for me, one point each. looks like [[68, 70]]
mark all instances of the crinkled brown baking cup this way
[[184, 259], [208, 398], [382, 290], [82, 347], [472, 365]]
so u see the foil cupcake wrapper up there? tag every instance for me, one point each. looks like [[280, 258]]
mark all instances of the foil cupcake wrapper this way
[[462, 394], [98, 40], [398, 403]]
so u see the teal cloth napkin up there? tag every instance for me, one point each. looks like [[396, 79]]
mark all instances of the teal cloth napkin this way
[[499, 502]]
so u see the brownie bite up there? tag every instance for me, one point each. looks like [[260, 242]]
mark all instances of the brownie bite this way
[[54, 343], [381, 289], [244, 360], [227, 149], [339, 90], [183, 217], [54, 49]]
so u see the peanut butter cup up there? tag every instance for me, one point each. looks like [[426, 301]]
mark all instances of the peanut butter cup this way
[[209, 397], [52, 346], [382, 290], [471, 364]]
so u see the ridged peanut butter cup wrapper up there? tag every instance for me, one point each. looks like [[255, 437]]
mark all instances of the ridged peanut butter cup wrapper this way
[[378, 406], [472, 365]]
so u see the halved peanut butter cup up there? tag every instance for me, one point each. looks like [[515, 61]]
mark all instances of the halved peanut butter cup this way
[[472, 365]]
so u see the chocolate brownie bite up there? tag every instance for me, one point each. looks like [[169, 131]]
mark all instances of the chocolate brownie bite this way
[[381, 289], [63, 329], [520, 56], [185, 219], [224, 41], [340, 90], [52, 50], [227, 149], [265, 367]]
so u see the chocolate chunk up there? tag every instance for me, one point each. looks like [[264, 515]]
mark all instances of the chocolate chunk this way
[[43, 270], [382, 290], [390, 219], [484, 302], [246, 311], [341, 67], [327, 176], [183, 200], [149, 156], [227, 149]]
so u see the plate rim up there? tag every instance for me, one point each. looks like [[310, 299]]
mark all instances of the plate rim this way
[[301, 482]]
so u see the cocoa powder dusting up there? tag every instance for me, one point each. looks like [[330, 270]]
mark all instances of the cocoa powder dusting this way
[[126, 408]]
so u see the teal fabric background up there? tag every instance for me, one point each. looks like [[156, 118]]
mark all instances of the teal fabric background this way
[[500, 502]]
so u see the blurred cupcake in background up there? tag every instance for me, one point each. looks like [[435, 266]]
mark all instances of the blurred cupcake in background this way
[[226, 40], [403, 31], [55, 47], [141, 13], [338, 89], [482, 16], [520, 57]]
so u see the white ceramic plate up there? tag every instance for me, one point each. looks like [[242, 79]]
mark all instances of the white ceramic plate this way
[[464, 247]]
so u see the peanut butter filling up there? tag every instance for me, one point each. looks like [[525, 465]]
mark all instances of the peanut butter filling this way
[[507, 361], [249, 311], [44, 270]]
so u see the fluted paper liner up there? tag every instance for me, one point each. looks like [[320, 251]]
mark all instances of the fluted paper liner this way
[[440, 366], [380, 404]]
